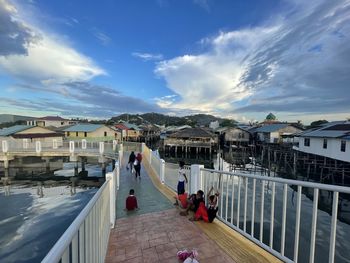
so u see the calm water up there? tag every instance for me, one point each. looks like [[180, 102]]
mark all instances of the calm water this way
[[29, 224]]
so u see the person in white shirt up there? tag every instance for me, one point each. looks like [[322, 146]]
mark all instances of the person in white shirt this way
[[182, 179]]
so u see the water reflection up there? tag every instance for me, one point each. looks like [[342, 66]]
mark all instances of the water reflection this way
[[39, 198]]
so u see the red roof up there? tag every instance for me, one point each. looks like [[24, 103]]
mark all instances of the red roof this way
[[121, 126], [52, 118]]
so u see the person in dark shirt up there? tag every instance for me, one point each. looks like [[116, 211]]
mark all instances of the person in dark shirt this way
[[131, 201], [132, 158]]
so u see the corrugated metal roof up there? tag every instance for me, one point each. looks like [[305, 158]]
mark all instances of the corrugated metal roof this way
[[271, 127], [14, 129], [324, 133], [52, 118], [83, 128]]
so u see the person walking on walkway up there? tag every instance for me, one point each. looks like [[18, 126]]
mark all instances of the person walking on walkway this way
[[137, 166], [132, 158]]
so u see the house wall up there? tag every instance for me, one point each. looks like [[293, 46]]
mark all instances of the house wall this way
[[275, 137], [332, 151], [236, 135], [46, 123], [98, 134]]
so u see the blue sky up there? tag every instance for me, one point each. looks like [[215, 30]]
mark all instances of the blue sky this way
[[238, 59]]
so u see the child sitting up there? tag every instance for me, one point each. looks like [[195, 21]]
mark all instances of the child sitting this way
[[200, 208], [131, 201], [182, 198], [212, 205]]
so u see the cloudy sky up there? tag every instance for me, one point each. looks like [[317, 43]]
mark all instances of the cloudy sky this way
[[239, 59]]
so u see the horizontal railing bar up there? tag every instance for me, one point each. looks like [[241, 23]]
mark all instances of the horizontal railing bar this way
[[327, 187], [58, 249]]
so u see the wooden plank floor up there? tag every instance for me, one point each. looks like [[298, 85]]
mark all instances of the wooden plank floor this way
[[239, 248]]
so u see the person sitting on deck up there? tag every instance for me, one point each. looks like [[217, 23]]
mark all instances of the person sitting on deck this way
[[197, 205], [181, 199], [131, 201], [213, 204]]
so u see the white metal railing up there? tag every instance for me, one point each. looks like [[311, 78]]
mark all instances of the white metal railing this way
[[86, 239], [54, 145], [263, 209]]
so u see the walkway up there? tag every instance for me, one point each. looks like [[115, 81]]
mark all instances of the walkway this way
[[156, 232]]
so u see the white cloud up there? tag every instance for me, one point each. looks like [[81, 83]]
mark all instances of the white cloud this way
[[292, 65], [101, 37], [147, 56], [47, 60]]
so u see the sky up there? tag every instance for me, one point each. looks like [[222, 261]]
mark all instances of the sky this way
[[233, 59]]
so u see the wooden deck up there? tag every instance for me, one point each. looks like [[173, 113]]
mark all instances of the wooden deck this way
[[239, 248]]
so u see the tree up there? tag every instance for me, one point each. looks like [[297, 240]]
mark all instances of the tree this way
[[317, 123]]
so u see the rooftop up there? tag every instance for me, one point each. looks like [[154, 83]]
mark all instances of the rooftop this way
[[83, 128], [271, 127], [52, 118], [336, 130], [192, 133], [14, 129]]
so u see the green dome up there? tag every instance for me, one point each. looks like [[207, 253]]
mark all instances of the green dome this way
[[271, 117]]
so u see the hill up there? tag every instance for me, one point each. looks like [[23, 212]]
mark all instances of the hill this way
[[161, 119]]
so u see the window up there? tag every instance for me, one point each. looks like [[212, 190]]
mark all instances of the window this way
[[105, 134], [307, 142], [242, 135], [85, 134], [324, 143], [68, 134], [76, 134], [342, 146]]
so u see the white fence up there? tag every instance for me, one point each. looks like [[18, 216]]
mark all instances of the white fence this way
[[38, 147], [256, 206], [86, 239]]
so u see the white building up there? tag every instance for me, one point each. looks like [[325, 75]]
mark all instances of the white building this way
[[214, 125], [332, 141], [51, 121]]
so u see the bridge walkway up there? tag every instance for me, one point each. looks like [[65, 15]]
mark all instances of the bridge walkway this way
[[156, 231]]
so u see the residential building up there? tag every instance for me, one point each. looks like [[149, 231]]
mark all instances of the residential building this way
[[214, 125], [32, 133], [50, 121], [236, 136], [91, 132], [332, 141], [189, 138], [130, 132], [274, 133]]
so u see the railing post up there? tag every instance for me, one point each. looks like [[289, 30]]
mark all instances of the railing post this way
[[114, 145], [143, 147], [38, 147], [112, 178], [83, 144], [150, 157], [71, 146], [54, 144], [120, 157], [25, 143], [5, 147], [102, 147], [162, 170], [196, 178]]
